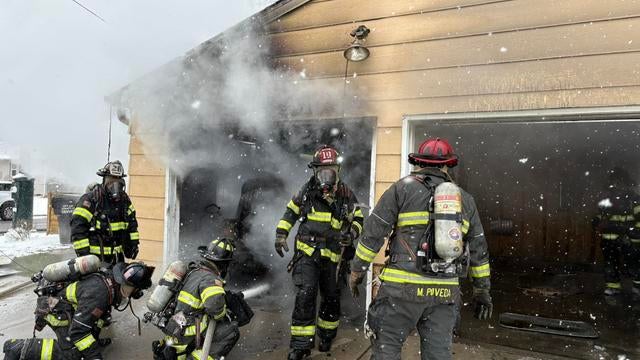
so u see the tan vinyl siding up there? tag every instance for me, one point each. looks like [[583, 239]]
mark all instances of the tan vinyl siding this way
[[147, 192], [607, 70], [390, 112], [322, 14], [477, 20], [388, 140], [433, 57], [547, 43]]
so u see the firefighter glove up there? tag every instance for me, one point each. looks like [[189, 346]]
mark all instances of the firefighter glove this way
[[354, 280], [130, 251], [482, 303], [625, 240], [346, 240], [281, 243]]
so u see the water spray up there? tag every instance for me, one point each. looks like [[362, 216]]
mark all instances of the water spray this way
[[256, 291]]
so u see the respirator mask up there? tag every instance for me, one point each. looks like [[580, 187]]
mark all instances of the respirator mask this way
[[327, 178], [115, 189]]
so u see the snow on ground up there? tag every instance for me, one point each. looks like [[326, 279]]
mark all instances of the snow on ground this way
[[38, 242]]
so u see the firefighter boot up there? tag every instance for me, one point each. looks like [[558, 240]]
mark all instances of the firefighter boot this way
[[104, 342], [298, 354], [325, 345]]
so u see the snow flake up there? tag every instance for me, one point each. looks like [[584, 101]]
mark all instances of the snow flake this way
[[523, 160], [605, 203], [503, 49]]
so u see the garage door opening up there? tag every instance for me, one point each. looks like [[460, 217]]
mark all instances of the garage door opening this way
[[537, 179], [243, 181]]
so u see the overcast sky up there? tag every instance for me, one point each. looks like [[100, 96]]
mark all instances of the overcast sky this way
[[57, 62]]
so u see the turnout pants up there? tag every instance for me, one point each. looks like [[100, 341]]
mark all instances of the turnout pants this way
[[620, 255], [393, 316], [42, 349], [311, 273]]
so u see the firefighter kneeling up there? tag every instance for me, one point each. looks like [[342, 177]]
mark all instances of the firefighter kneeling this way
[[197, 301], [78, 307], [420, 280]]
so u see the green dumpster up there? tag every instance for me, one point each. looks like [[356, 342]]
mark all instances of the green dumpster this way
[[22, 193]]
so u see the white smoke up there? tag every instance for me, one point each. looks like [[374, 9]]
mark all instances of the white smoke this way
[[225, 111]]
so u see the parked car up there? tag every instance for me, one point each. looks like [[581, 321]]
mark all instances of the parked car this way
[[6, 201]]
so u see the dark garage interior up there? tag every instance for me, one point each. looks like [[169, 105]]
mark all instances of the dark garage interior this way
[[537, 183]]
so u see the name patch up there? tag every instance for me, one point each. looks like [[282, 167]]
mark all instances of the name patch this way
[[434, 292]]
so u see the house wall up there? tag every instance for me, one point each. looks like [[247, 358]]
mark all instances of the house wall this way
[[147, 192], [444, 56]]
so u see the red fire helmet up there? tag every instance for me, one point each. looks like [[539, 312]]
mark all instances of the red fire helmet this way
[[434, 152], [325, 155]]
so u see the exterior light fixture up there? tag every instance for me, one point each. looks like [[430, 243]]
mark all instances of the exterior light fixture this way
[[357, 51]]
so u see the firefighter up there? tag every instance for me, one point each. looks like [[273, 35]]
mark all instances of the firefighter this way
[[419, 288], [201, 302], [78, 312], [104, 220], [329, 221], [619, 225]]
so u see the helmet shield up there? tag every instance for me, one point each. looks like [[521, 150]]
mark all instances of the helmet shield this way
[[137, 275]]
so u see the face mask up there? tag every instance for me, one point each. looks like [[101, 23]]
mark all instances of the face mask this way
[[115, 189], [137, 294], [223, 269], [327, 179]]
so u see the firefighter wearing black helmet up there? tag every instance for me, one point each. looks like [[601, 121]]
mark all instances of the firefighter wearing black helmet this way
[[79, 311], [329, 222], [420, 288], [104, 219], [200, 303]]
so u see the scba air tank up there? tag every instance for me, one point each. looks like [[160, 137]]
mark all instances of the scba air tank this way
[[167, 285], [448, 221], [71, 269]]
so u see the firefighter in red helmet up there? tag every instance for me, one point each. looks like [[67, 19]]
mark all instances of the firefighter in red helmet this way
[[329, 221], [435, 232]]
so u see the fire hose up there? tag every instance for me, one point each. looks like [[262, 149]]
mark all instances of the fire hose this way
[[208, 339]]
